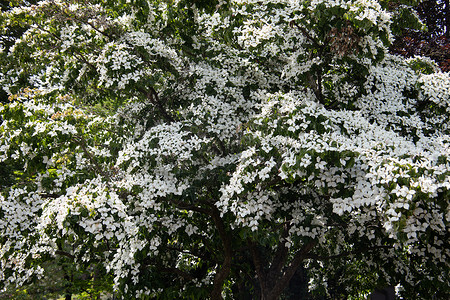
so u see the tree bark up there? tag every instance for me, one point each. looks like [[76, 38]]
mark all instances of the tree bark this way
[[283, 281], [224, 271], [273, 282]]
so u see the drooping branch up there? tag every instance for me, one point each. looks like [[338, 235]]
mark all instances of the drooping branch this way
[[79, 56], [150, 93]]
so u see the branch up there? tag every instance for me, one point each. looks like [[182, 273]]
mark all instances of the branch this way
[[316, 86], [152, 95], [306, 34], [90, 24], [221, 145], [52, 196], [66, 254]]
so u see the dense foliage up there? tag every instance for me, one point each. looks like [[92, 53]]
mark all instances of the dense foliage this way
[[242, 149]]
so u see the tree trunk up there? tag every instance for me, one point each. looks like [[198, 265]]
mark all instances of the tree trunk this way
[[223, 271], [447, 18], [273, 288]]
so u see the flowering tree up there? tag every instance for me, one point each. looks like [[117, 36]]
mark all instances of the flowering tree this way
[[222, 149]]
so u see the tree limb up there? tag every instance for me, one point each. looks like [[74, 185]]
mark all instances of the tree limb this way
[[152, 95], [66, 254], [306, 34]]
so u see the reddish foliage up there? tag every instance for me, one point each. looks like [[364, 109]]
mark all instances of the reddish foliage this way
[[435, 43], [412, 43]]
